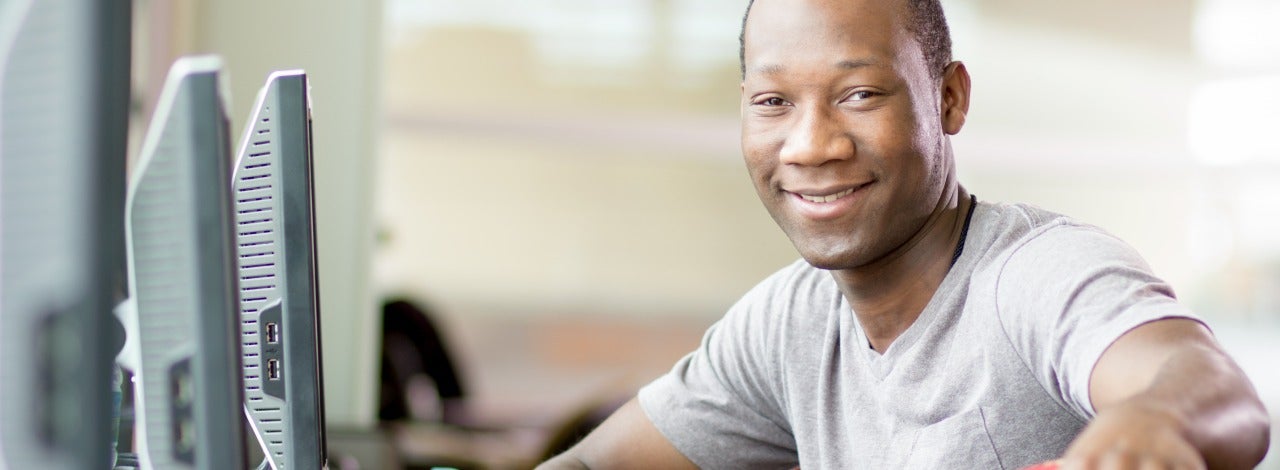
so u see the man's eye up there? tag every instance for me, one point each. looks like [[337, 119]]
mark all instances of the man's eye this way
[[861, 95], [774, 101]]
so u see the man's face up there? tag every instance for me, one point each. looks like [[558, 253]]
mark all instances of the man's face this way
[[841, 129]]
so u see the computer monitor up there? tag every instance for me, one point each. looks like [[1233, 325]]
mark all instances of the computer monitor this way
[[183, 341], [64, 94], [276, 246]]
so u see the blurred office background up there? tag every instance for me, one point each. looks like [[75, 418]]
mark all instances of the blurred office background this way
[[560, 182]]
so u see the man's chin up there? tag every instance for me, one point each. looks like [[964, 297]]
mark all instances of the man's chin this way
[[830, 248], [830, 260]]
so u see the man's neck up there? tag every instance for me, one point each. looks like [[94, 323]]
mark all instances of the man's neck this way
[[888, 295]]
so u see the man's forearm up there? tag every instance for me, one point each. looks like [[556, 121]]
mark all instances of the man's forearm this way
[[627, 440], [1215, 406]]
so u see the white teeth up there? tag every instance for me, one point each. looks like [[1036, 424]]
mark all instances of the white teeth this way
[[830, 198]]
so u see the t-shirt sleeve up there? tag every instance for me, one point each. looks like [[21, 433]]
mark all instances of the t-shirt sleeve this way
[[721, 405], [1066, 294]]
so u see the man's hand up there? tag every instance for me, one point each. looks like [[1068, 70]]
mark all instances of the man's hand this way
[[1132, 435]]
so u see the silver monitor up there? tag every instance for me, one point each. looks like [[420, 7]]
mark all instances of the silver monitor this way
[[64, 92], [183, 338], [280, 307]]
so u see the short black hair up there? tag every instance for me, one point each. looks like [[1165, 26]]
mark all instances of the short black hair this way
[[928, 24]]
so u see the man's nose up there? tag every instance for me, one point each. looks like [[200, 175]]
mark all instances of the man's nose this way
[[817, 138]]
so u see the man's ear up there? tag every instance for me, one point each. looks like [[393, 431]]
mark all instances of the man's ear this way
[[955, 97]]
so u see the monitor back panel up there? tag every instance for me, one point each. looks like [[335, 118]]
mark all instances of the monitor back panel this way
[[182, 280], [63, 109], [279, 310]]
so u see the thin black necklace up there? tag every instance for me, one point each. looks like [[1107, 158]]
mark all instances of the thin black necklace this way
[[973, 202]]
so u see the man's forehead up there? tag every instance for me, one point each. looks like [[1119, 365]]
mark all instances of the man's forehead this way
[[839, 34]]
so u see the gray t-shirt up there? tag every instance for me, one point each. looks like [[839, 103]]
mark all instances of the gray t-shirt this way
[[993, 374]]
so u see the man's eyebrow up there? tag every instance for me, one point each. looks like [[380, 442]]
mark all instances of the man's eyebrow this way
[[856, 63], [849, 64], [769, 69]]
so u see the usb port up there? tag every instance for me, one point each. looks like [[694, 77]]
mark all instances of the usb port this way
[[273, 333], [273, 369], [182, 390]]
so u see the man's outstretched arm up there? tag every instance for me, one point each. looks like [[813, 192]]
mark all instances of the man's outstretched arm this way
[[1168, 396], [626, 440]]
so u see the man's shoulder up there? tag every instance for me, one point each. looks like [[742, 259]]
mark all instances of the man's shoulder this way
[[1027, 244], [1006, 228], [1022, 242], [1013, 221]]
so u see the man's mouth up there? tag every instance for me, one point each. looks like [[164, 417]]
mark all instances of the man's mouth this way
[[829, 197], [826, 202]]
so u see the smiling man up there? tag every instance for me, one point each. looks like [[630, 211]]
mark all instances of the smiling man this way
[[923, 328]]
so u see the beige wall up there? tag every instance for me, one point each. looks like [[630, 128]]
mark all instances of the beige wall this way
[[521, 228]]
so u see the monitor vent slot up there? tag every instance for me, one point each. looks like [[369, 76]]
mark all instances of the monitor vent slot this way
[[261, 273], [164, 267]]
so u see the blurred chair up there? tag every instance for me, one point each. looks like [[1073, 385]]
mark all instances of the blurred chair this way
[[419, 378]]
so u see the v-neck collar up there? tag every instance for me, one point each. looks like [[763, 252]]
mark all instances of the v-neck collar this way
[[881, 365]]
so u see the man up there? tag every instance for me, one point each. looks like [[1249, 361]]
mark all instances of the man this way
[[923, 329]]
